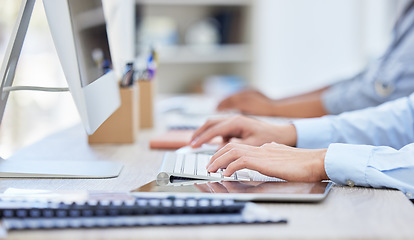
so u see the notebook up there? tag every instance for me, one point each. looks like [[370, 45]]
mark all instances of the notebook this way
[[108, 209]]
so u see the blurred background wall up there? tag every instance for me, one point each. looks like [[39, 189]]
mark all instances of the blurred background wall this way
[[302, 45]]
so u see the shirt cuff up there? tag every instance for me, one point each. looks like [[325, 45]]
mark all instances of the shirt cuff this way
[[346, 164], [313, 133]]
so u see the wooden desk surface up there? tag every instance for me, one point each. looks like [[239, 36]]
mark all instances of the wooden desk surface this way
[[347, 213]]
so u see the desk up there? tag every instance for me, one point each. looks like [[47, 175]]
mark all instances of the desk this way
[[347, 213]]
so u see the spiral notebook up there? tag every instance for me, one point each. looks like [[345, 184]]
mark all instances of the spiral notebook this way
[[123, 209]]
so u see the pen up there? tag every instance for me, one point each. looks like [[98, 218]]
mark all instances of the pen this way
[[152, 63], [128, 78]]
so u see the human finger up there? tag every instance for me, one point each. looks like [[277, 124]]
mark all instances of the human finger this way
[[239, 163], [225, 128], [209, 123], [229, 156], [223, 150], [227, 103], [228, 147], [218, 153]]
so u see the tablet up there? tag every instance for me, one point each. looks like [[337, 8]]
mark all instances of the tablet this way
[[278, 191]]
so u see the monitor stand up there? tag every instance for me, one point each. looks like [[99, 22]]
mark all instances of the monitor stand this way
[[59, 169], [64, 154], [41, 169]]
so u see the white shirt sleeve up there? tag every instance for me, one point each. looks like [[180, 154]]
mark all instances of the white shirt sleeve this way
[[372, 147], [371, 166], [390, 124]]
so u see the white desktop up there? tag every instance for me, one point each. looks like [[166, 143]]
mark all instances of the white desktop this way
[[79, 33]]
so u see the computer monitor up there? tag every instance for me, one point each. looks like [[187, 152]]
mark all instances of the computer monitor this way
[[79, 33]]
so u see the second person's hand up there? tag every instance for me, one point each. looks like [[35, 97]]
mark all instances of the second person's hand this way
[[248, 102], [244, 130]]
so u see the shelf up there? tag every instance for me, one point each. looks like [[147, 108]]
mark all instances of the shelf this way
[[184, 66], [197, 2], [232, 53]]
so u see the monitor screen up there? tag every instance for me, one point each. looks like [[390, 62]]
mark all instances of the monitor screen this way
[[89, 31]]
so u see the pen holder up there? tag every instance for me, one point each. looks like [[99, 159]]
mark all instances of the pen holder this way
[[122, 125], [146, 103]]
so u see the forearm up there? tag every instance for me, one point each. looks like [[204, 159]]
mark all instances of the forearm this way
[[301, 106]]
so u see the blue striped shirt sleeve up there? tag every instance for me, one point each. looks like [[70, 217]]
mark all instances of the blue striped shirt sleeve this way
[[371, 147]]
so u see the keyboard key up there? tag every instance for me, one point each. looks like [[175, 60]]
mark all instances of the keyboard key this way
[[189, 164], [215, 175], [243, 176], [179, 163], [201, 166]]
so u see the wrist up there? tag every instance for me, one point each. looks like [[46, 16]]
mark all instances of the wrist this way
[[321, 164], [290, 135], [284, 134]]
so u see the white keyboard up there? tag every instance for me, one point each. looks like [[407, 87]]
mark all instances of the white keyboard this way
[[193, 166]]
